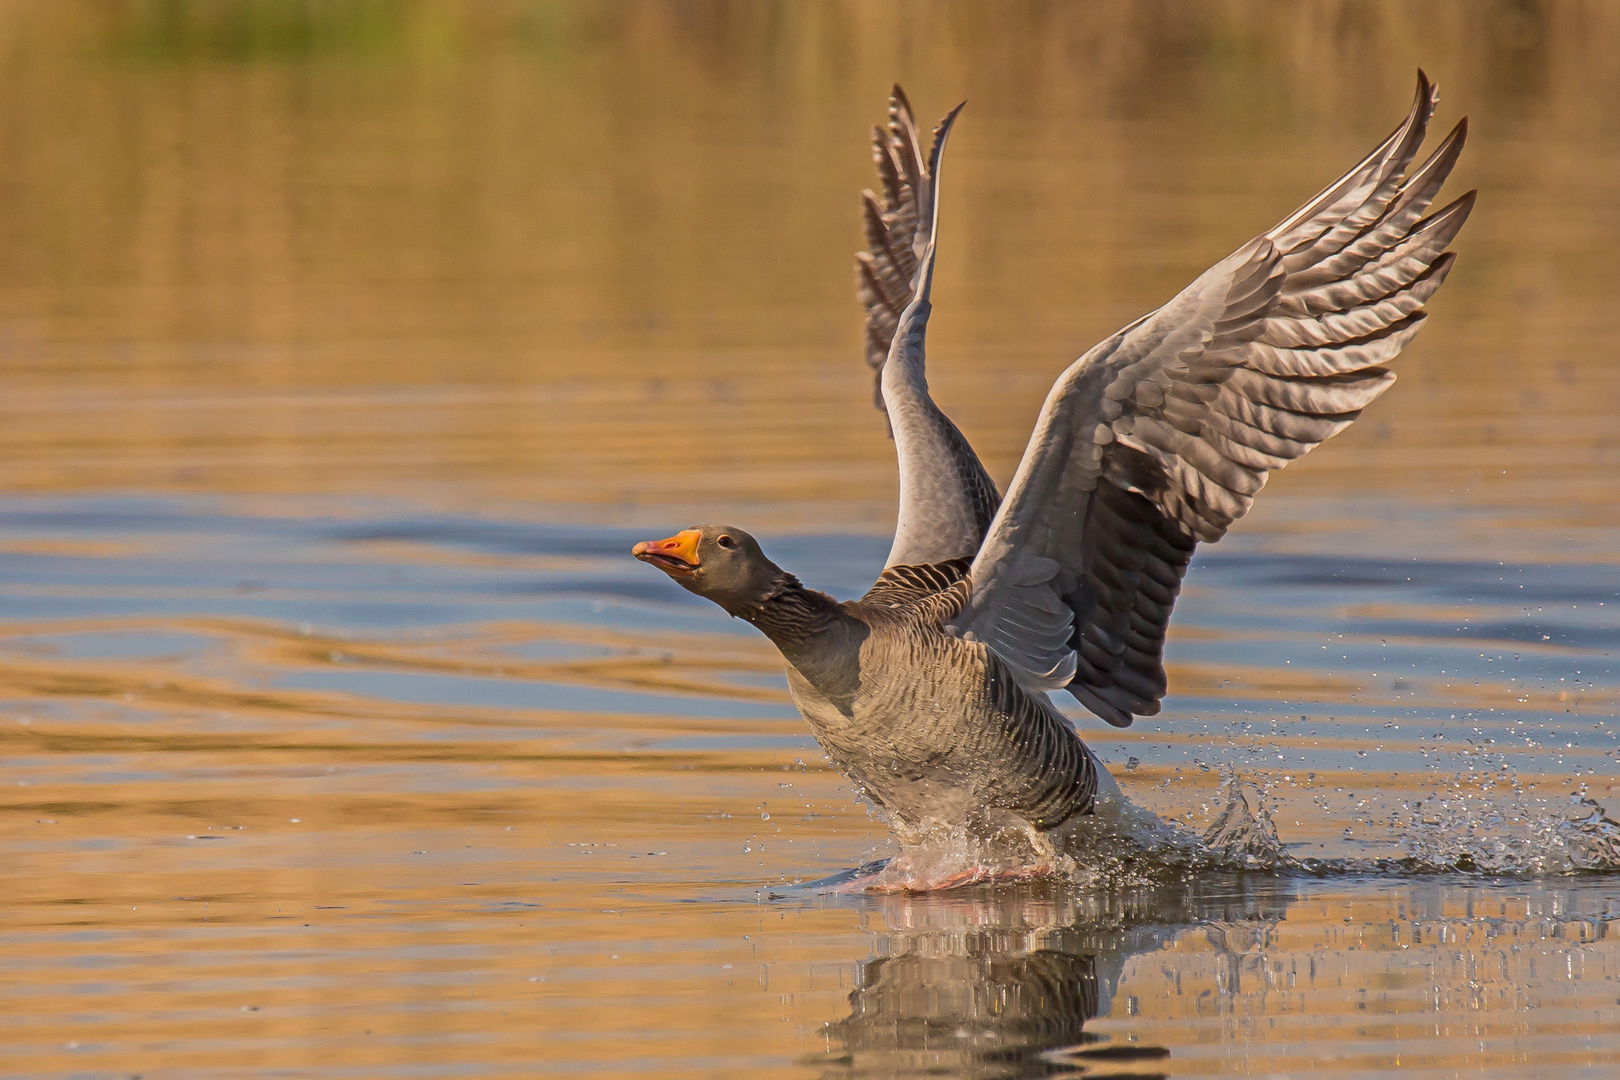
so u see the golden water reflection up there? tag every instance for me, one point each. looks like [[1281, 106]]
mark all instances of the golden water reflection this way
[[332, 892], [1268, 979], [348, 794]]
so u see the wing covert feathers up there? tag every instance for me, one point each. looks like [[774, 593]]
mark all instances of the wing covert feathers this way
[[1162, 436], [904, 585]]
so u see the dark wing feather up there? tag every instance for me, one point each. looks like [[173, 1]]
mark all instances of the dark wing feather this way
[[899, 225]]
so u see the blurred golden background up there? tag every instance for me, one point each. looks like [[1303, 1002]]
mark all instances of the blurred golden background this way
[[598, 255]]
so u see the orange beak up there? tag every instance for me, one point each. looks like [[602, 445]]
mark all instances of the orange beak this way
[[677, 555]]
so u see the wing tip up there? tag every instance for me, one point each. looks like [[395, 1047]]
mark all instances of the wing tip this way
[[899, 103], [1427, 89], [1454, 214], [1101, 707], [942, 131]]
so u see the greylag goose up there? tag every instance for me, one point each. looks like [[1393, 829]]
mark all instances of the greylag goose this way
[[931, 691]]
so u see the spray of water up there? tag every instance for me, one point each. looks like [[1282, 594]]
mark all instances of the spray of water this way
[[1485, 823]]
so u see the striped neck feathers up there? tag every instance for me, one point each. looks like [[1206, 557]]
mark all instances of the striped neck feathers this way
[[792, 616]]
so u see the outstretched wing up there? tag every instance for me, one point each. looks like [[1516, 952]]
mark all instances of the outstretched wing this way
[[946, 498], [1161, 436]]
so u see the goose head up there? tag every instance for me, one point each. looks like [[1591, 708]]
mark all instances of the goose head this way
[[717, 562]]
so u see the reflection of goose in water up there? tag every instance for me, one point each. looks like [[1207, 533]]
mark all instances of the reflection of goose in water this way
[[930, 692], [1002, 985]]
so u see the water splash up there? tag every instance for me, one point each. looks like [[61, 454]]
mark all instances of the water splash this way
[[1519, 836], [1465, 829], [1119, 844], [1241, 839], [1493, 827]]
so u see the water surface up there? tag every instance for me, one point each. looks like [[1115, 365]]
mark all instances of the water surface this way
[[346, 350]]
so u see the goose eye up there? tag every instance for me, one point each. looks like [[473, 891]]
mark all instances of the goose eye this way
[[725, 541]]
